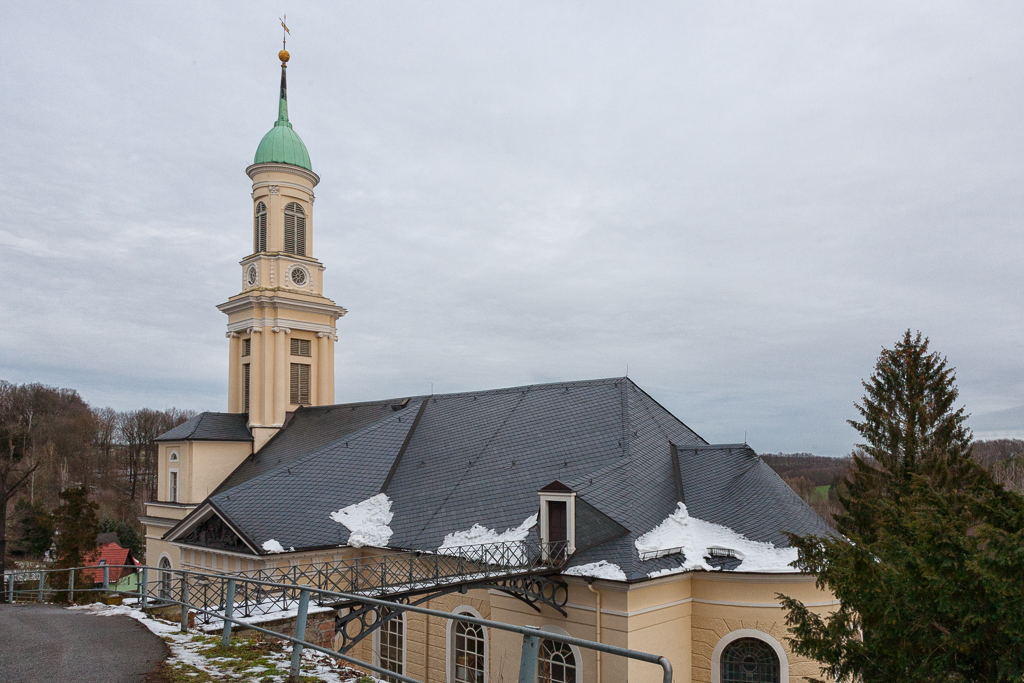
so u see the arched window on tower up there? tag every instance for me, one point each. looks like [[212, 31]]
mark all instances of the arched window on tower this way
[[749, 660], [294, 229], [259, 228]]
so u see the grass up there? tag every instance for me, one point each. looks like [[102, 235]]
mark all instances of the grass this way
[[820, 493]]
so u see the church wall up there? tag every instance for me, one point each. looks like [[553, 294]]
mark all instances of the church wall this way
[[210, 463]]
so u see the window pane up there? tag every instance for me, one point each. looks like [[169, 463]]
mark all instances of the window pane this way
[[555, 663], [749, 660], [470, 661]]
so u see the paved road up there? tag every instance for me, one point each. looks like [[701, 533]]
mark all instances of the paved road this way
[[44, 644]]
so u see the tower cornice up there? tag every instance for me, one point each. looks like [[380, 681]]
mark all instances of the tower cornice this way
[[250, 301], [272, 167]]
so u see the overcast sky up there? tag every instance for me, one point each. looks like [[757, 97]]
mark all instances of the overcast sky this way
[[743, 202]]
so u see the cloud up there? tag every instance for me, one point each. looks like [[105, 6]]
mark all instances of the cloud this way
[[743, 205]]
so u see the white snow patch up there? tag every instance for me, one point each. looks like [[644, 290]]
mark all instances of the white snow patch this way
[[488, 545], [272, 546], [602, 569], [696, 537], [368, 521], [186, 649]]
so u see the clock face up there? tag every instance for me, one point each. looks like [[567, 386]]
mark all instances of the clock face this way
[[251, 275], [298, 276]]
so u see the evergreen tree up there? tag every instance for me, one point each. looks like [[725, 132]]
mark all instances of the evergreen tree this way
[[928, 571], [35, 528], [127, 537], [76, 529]]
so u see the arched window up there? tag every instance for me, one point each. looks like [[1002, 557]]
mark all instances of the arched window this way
[[173, 457], [556, 663], [749, 660], [259, 228], [469, 653], [390, 650], [165, 578], [294, 229]]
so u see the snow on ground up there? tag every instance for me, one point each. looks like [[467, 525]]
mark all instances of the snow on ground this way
[[188, 648], [602, 569], [696, 537], [368, 521], [272, 546], [473, 542]]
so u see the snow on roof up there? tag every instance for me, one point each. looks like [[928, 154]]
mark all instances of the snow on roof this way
[[696, 539], [368, 521], [480, 543], [272, 546], [602, 569]]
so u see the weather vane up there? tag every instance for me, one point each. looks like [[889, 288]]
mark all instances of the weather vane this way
[[284, 36]]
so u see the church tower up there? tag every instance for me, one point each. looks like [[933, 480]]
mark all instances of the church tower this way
[[281, 327]]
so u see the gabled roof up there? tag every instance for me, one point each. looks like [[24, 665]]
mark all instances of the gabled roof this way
[[450, 461], [112, 555], [211, 427]]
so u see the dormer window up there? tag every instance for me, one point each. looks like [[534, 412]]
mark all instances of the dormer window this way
[[558, 521], [259, 228], [294, 229]]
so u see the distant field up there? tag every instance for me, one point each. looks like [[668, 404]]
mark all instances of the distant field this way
[[820, 493]]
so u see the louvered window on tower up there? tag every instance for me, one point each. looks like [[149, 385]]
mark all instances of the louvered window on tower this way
[[294, 229], [301, 347], [246, 347], [259, 233], [300, 384], [245, 372]]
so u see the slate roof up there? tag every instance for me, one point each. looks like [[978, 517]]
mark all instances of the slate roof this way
[[450, 461], [211, 427]]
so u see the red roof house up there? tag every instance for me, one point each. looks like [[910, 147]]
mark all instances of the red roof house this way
[[112, 555]]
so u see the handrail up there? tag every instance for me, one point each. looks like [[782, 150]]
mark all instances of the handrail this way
[[531, 635]]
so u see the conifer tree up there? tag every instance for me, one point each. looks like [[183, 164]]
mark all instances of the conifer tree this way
[[928, 570]]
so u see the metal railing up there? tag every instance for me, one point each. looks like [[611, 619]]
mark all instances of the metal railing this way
[[383, 575], [175, 587]]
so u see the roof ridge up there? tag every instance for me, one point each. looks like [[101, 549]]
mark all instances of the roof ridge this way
[[542, 386]]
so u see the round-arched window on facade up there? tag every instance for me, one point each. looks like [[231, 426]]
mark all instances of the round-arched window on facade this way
[[469, 653], [555, 663], [165, 578], [259, 228], [294, 229], [749, 660]]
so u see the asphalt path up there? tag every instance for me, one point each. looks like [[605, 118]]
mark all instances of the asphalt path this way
[[43, 643]]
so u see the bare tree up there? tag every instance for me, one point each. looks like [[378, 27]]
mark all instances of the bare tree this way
[[16, 462]]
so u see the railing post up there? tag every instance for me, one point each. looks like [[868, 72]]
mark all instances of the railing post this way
[[528, 662], [144, 587], [42, 578], [10, 588], [229, 611], [184, 603], [71, 586], [106, 578], [300, 633]]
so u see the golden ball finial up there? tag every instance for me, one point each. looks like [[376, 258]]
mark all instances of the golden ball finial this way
[[283, 56]]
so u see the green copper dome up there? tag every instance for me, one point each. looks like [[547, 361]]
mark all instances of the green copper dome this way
[[282, 145]]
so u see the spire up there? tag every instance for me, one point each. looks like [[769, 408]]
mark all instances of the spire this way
[[282, 107]]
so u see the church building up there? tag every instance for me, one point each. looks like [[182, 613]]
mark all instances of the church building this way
[[611, 519]]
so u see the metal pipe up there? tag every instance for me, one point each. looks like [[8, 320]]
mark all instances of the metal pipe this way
[[528, 660], [10, 588], [590, 585], [42, 578], [184, 604], [106, 577], [71, 586], [300, 632], [144, 587], [229, 610]]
